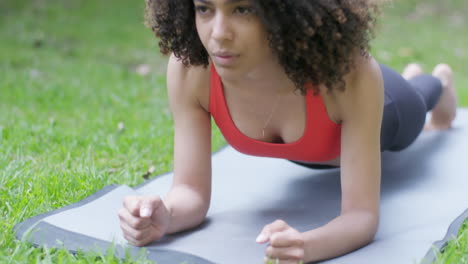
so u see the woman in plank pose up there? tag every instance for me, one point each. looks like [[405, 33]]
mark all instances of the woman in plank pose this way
[[290, 79]]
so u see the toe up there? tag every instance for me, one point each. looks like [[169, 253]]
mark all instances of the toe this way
[[444, 73], [411, 70]]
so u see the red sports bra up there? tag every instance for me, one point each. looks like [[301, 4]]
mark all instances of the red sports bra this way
[[320, 141]]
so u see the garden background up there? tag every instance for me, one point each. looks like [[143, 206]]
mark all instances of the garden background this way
[[83, 102]]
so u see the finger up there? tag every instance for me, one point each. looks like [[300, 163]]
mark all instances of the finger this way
[[287, 238], [268, 230], [140, 237], [161, 214], [136, 234], [133, 221], [132, 204], [290, 262], [268, 260], [294, 254], [132, 235], [130, 240], [149, 205], [137, 243]]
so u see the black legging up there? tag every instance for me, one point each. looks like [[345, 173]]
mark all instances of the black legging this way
[[405, 107]]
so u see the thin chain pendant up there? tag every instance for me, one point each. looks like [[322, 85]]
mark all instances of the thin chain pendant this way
[[271, 115]]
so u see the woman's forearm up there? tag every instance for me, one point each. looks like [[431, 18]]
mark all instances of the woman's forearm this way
[[340, 236], [187, 209]]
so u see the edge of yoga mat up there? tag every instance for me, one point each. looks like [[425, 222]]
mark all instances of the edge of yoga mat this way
[[452, 232], [44, 234], [74, 242], [23, 226]]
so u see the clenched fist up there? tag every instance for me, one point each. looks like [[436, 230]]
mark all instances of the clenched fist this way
[[286, 243], [143, 219]]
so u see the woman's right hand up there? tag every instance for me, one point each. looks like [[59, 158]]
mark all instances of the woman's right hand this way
[[143, 219]]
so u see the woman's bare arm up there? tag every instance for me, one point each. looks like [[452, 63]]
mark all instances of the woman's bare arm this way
[[189, 198], [144, 219], [361, 107]]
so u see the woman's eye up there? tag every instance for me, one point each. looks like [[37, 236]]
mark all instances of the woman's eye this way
[[244, 10], [201, 9]]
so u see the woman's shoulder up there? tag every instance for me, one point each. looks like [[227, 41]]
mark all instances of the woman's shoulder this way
[[366, 69], [188, 81], [362, 84]]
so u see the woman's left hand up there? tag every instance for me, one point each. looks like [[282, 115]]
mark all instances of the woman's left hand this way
[[286, 243]]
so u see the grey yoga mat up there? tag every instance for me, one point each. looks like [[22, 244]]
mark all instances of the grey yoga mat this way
[[424, 199]]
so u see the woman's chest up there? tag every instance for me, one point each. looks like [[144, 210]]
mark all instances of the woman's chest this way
[[277, 118]]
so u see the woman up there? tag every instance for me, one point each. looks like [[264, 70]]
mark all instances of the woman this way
[[288, 79]]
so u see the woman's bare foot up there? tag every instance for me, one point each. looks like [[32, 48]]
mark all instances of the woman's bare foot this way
[[412, 70], [445, 110]]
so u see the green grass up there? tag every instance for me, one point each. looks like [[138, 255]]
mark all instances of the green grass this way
[[428, 32], [67, 79], [457, 249]]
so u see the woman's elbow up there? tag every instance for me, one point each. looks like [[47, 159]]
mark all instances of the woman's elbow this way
[[371, 225]]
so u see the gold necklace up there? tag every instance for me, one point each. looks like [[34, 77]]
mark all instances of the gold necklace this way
[[271, 114]]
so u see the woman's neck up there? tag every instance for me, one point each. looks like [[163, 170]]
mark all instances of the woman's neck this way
[[266, 77]]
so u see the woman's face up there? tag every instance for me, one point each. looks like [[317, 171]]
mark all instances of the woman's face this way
[[233, 36]]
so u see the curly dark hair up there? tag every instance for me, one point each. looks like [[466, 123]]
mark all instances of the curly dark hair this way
[[315, 40]]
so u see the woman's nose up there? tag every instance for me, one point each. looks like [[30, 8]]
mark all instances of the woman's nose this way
[[221, 30]]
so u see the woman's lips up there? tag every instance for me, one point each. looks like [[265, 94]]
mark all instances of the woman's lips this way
[[225, 59]]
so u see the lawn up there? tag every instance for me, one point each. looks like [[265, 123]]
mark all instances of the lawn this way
[[79, 112]]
